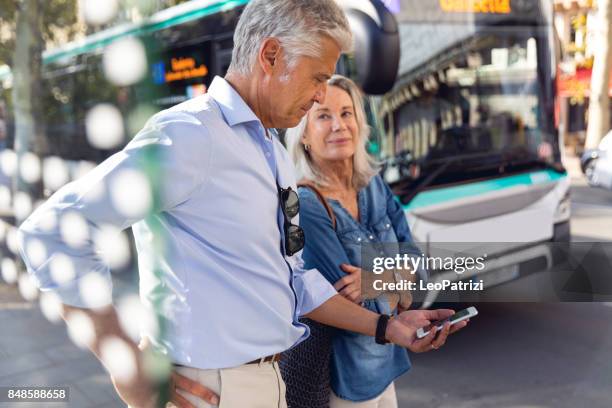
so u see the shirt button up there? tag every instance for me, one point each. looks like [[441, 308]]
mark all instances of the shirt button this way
[[371, 237], [359, 239], [387, 226]]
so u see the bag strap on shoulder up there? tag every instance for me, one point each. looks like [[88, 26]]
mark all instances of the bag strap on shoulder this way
[[310, 185]]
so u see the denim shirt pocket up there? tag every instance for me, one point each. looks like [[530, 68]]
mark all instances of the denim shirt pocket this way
[[384, 230], [352, 240]]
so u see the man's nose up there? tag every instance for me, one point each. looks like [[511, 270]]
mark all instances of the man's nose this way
[[320, 94]]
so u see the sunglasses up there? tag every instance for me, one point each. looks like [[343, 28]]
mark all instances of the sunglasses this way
[[294, 234]]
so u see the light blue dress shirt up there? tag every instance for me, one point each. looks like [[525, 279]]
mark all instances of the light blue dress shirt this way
[[225, 290]]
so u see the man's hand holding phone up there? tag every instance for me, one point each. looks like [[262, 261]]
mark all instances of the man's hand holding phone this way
[[417, 319]]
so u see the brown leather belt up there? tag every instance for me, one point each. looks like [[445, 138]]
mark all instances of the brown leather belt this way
[[268, 359]]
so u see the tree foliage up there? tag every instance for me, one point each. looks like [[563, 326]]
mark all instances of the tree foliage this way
[[58, 16]]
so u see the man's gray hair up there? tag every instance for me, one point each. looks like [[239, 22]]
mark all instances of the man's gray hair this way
[[297, 24], [364, 166]]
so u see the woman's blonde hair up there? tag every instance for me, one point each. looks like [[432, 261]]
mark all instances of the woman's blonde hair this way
[[364, 165]]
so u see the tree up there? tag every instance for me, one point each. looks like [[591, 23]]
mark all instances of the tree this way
[[34, 24], [599, 101]]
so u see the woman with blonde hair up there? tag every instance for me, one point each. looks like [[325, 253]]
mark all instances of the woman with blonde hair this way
[[344, 207]]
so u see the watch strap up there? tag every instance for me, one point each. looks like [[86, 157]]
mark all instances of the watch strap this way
[[381, 329]]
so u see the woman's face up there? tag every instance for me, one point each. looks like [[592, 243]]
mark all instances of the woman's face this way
[[331, 130]]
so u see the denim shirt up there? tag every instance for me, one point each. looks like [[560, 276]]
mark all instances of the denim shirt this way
[[360, 368]]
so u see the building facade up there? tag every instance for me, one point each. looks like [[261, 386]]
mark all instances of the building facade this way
[[576, 22]]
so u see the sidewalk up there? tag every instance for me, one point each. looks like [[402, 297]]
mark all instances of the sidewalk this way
[[35, 352]]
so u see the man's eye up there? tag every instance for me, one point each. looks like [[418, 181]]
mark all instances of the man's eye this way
[[347, 114], [324, 116]]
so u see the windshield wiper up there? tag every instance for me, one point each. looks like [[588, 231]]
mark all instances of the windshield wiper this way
[[406, 195]]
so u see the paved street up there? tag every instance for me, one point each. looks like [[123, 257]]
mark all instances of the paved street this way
[[512, 355], [37, 353], [519, 355]]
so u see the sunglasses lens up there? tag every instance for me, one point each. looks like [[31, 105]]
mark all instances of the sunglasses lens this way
[[294, 239], [292, 204]]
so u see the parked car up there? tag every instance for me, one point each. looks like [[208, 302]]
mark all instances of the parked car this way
[[597, 164]]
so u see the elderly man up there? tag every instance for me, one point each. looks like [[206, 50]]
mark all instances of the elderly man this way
[[219, 254]]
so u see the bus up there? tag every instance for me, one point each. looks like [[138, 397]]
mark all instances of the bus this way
[[468, 132], [460, 97]]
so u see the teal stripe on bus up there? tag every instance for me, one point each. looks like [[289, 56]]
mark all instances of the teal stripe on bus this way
[[103, 39], [442, 195]]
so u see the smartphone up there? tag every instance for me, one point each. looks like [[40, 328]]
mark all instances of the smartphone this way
[[456, 318]]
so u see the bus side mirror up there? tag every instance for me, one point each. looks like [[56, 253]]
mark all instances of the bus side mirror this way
[[376, 45]]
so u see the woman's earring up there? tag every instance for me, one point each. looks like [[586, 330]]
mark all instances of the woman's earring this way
[[306, 147]]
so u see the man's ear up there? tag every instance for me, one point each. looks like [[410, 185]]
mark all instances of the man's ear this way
[[269, 54]]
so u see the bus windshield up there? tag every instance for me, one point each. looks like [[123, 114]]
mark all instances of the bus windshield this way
[[471, 102]]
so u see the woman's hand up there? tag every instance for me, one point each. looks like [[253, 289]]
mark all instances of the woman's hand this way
[[350, 285]]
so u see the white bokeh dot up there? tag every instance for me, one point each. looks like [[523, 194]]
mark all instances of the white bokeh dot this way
[[36, 251], [125, 62], [82, 168], [51, 306], [96, 12], [12, 240], [80, 329], [47, 221], [5, 198], [8, 162], [104, 126], [74, 230], [27, 287], [135, 319], [55, 173], [113, 246], [131, 194], [22, 205], [29, 168], [95, 290], [61, 269], [9, 270], [119, 358]]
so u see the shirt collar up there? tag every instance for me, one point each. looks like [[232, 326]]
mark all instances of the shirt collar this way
[[233, 107]]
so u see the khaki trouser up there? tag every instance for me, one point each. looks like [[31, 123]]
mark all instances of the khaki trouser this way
[[388, 399], [246, 386]]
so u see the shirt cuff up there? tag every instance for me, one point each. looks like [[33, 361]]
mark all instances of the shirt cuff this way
[[315, 290]]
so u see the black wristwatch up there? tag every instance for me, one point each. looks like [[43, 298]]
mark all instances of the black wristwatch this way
[[381, 329]]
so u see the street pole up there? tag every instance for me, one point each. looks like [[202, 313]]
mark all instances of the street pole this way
[[599, 100], [27, 66]]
